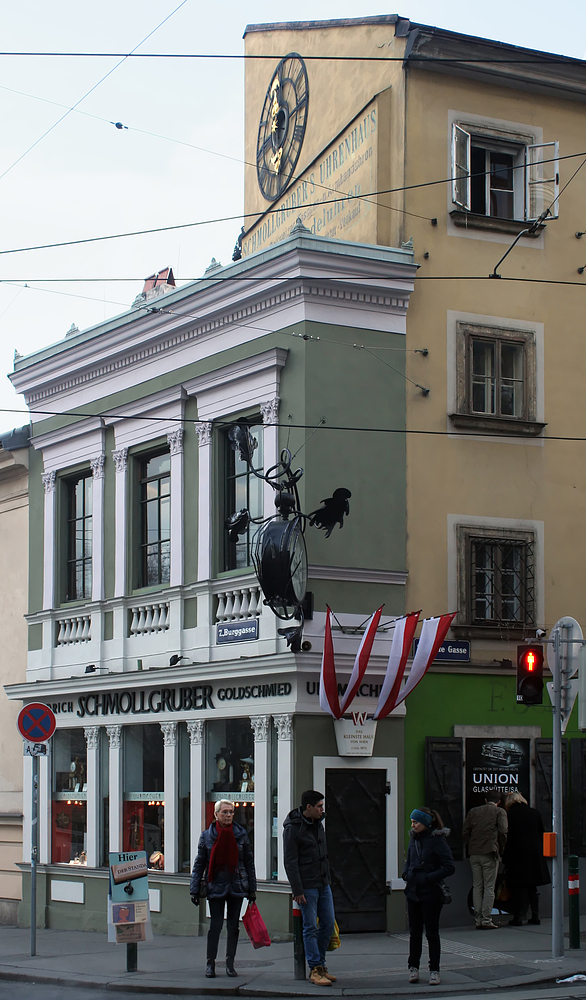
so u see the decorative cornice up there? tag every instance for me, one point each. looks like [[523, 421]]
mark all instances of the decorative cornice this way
[[120, 456], [351, 574], [97, 466], [175, 440], [203, 429], [49, 479], [260, 727], [270, 411], [195, 730], [284, 726], [115, 737], [92, 737], [169, 731], [170, 340]]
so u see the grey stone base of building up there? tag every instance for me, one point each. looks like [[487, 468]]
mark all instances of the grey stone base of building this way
[[9, 912]]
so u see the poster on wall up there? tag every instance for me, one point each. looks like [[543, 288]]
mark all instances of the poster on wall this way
[[496, 765]]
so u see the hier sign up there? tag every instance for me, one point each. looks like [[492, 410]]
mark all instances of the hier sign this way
[[238, 631]]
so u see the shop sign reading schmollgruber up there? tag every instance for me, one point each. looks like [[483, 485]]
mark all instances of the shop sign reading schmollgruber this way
[[433, 633], [355, 736]]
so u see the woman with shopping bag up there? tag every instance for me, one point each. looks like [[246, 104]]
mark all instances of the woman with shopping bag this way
[[224, 872]]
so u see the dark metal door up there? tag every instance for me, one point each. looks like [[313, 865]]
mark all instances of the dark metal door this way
[[544, 784], [443, 785], [356, 835]]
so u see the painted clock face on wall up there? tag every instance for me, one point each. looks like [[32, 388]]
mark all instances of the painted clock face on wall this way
[[282, 126]]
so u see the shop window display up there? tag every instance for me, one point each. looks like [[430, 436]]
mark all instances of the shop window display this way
[[275, 832], [69, 806], [144, 799], [230, 769], [185, 862]]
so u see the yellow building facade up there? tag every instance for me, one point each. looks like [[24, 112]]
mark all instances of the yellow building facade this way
[[464, 145]]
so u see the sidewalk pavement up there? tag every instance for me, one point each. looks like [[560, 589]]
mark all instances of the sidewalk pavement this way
[[366, 964]]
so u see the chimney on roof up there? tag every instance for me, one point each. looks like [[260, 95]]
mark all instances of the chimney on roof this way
[[155, 285]]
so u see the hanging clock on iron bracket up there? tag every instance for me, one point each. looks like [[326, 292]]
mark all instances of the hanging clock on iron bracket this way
[[280, 560], [282, 126]]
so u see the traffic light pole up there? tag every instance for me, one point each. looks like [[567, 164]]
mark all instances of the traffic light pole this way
[[557, 889]]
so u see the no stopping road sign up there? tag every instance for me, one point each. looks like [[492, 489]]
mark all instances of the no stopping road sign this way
[[36, 722]]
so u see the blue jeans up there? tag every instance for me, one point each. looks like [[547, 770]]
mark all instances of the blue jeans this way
[[319, 906]]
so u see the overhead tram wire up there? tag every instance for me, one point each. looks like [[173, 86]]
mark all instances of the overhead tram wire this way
[[91, 90], [221, 424], [248, 215], [541, 59]]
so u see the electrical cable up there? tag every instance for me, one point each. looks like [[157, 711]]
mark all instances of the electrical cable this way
[[541, 60], [497, 435], [90, 91], [233, 218]]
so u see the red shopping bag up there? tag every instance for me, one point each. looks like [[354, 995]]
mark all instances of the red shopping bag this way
[[255, 927]]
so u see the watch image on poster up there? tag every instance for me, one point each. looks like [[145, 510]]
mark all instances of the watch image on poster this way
[[130, 913], [496, 765]]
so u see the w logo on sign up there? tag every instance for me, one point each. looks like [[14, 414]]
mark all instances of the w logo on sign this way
[[359, 718]]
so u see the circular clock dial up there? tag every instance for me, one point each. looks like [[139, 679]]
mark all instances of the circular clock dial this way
[[282, 126], [281, 563]]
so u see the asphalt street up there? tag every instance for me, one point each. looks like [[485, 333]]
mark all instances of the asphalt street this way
[[43, 991]]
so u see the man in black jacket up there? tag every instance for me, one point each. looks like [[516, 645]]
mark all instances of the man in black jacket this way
[[308, 871]]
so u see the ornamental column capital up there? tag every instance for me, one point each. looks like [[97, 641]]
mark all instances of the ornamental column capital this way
[[115, 737], [169, 731], [284, 726], [120, 456], [260, 726], [203, 429]]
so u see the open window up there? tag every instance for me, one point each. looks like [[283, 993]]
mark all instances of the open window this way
[[505, 178]]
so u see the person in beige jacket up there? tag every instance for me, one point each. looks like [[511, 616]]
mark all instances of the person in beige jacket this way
[[485, 834]]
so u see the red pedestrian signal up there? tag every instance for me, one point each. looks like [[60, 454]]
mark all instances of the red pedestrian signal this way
[[530, 674]]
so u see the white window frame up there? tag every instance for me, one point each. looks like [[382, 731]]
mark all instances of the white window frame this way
[[534, 156]]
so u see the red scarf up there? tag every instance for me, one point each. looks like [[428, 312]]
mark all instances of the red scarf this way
[[224, 853]]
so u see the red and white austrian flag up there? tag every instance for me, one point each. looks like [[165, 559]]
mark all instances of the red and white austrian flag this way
[[432, 635], [400, 649], [329, 698]]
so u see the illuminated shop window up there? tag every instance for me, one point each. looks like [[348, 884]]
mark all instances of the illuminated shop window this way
[[185, 861], [230, 769], [69, 807], [275, 832], [144, 799]]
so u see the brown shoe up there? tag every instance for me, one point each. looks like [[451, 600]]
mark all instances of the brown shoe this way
[[328, 975], [317, 978]]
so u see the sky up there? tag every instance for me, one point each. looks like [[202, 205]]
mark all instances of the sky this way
[[178, 161]]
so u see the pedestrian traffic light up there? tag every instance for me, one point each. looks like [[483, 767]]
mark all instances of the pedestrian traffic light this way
[[530, 674]]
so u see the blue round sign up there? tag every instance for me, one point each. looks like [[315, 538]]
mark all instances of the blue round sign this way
[[36, 722]]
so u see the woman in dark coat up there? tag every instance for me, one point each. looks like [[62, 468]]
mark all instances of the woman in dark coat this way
[[224, 859], [526, 868], [429, 861]]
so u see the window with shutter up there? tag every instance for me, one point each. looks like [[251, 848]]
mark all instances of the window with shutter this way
[[502, 177]]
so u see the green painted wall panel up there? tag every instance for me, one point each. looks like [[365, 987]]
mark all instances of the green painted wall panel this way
[[357, 598]]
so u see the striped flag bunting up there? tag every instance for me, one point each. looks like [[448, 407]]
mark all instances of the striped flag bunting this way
[[329, 699], [400, 649], [432, 635]]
